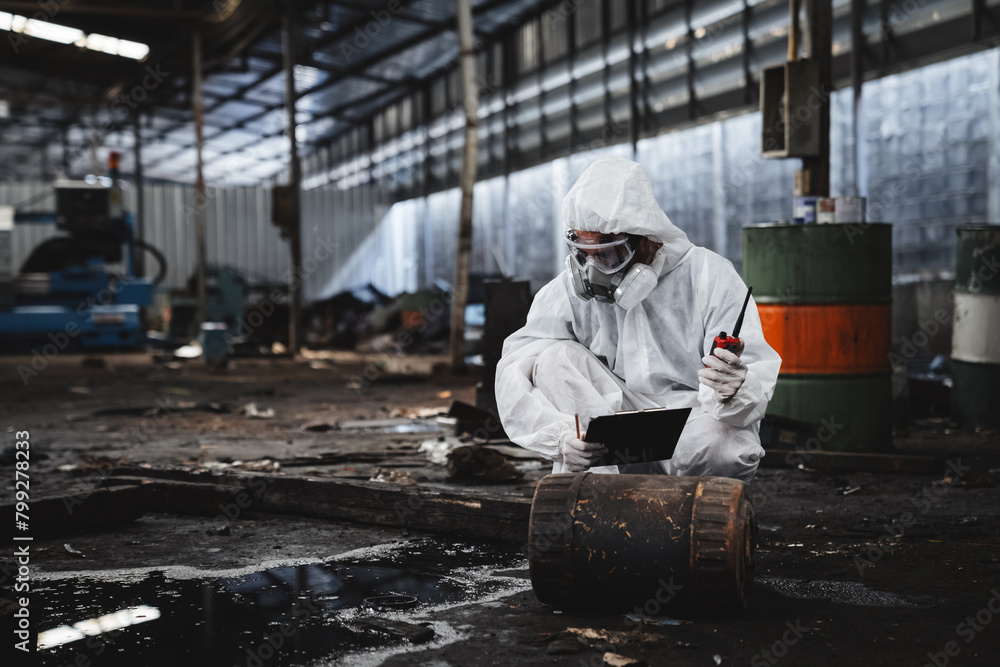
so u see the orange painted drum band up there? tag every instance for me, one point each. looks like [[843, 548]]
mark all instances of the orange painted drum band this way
[[821, 338]]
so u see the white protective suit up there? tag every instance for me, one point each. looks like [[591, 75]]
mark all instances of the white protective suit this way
[[592, 358]]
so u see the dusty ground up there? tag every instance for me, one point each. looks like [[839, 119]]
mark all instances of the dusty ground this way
[[826, 592]]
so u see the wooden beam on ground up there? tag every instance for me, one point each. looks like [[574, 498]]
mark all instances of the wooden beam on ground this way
[[55, 515], [860, 461], [473, 515]]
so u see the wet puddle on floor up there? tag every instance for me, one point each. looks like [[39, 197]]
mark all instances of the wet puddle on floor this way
[[844, 592], [286, 615]]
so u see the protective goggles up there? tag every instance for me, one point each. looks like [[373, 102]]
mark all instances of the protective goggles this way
[[608, 253]]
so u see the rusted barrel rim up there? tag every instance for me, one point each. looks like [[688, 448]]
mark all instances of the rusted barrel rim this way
[[723, 544], [550, 538]]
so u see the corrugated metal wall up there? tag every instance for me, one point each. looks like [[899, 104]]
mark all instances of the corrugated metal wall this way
[[929, 154], [238, 222]]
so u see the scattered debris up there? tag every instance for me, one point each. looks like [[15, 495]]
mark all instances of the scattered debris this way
[[278, 348], [613, 636], [79, 390], [416, 413], [370, 424], [261, 465], [512, 451], [153, 410], [717, 658], [392, 477], [411, 632], [477, 422], [251, 411], [848, 490], [618, 660], [320, 424], [564, 646], [476, 463], [190, 351], [438, 450], [968, 521], [73, 552], [392, 602], [655, 620], [444, 394], [395, 425], [207, 460]]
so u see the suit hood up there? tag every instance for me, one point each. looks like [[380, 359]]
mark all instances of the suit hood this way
[[615, 196]]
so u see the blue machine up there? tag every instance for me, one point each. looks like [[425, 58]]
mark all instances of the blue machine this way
[[66, 292]]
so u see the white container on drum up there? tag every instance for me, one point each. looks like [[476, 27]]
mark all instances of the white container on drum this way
[[850, 209], [803, 210], [825, 209], [840, 210]]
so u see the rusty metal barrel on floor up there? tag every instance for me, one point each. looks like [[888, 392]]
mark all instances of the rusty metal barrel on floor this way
[[659, 543]]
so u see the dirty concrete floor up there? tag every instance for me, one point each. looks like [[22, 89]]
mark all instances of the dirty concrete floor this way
[[826, 592]]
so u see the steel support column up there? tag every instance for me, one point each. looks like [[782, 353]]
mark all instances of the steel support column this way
[[460, 290], [295, 182], [819, 20], [857, 81], [140, 200], [200, 198]]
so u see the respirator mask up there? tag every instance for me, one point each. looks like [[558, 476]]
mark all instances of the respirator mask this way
[[599, 270]]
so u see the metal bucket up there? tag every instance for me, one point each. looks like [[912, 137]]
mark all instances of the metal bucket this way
[[649, 543], [824, 294], [975, 345]]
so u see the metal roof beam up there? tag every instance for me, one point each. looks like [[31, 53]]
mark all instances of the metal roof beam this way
[[209, 15]]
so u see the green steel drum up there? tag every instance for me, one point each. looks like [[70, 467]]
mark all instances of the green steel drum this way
[[975, 346], [824, 294]]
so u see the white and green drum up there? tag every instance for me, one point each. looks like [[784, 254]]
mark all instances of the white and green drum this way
[[975, 343]]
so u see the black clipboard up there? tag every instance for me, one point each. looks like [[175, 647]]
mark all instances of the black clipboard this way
[[638, 436]]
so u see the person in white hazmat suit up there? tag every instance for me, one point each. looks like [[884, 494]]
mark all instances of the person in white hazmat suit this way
[[627, 326]]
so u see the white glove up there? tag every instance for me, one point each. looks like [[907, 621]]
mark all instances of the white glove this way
[[579, 455], [725, 373]]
